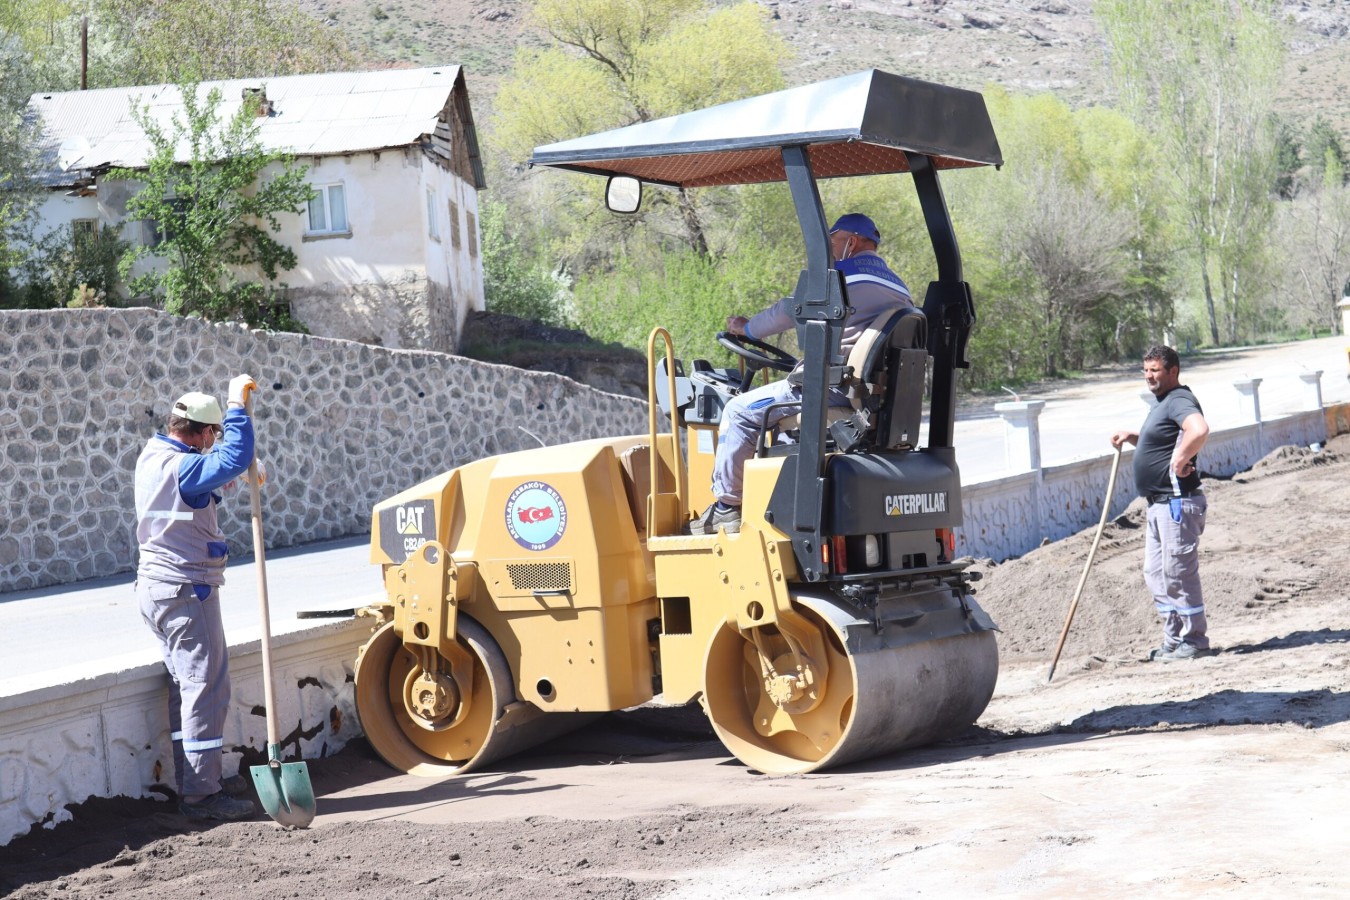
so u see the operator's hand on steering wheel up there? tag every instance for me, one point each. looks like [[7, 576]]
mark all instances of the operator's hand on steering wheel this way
[[736, 324], [757, 354]]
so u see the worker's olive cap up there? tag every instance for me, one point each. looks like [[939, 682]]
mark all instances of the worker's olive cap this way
[[198, 407]]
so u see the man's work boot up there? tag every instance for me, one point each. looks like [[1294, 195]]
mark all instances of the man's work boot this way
[[717, 516], [219, 807]]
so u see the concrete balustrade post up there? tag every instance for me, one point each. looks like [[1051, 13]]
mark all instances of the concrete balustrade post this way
[[1021, 434], [1249, 399], [1312, 389]]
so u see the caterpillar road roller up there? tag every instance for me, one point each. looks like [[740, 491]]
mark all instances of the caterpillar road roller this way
[[532, 590]]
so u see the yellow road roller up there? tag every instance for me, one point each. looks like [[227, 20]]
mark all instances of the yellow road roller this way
[[532, 590]]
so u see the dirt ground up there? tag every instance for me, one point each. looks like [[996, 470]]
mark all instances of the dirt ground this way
[[1223, 775]]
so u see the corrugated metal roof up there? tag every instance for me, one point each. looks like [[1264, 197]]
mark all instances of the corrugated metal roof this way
[[313, 115]]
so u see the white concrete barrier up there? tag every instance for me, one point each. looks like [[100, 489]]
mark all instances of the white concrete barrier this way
[[108, 735], [1009, 516]]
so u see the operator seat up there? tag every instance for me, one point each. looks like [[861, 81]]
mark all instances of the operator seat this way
[[889, 364], [885, 380]]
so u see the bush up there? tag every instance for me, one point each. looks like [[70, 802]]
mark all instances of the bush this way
[[67, 268]]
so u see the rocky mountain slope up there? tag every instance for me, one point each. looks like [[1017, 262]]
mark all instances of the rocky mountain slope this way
[[1025, 45]]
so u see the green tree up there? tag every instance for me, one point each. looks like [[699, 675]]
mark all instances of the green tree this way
[[1325, 150], [1201, 77], [66, 267], [181, 40], [171, 41], [1316, 240], [512, 283], [19, 159], [618, 62], [1050, 257], [217, 208], [1288, 157]]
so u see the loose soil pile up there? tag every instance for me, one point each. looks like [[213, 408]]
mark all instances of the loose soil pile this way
[[1223, 774]]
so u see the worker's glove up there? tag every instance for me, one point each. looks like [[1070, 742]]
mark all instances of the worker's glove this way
[[1174, 507], [240, 387], [262, 474]]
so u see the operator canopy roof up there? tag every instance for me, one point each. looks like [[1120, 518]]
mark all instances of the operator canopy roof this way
[[859, 124]]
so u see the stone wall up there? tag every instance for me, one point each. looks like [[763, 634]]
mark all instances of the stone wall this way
[[341, 426], [411, 311]]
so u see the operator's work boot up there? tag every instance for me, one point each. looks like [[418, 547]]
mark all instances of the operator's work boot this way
[[219, 807], [717, 516]]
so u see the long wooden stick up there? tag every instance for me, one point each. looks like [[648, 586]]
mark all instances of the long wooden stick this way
[[1082, 580]]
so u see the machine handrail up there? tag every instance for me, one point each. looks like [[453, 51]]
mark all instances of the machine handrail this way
[[677, 460]]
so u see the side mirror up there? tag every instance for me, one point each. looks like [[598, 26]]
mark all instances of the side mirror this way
[[623, 194]]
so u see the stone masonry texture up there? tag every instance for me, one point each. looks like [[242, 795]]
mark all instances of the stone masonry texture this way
[[341, 426]]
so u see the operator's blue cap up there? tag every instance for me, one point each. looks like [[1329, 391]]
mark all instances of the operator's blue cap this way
[[858, 224]]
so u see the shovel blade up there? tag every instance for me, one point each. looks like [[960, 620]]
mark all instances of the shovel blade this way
[[285, 793]]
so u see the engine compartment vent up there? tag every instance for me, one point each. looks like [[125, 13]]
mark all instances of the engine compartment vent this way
[[540, 576]]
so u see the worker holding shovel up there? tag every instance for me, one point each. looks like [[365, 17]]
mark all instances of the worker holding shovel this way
[[182, 565], [1165, 475]]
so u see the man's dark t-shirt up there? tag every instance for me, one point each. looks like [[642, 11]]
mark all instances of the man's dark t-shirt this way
[[1157, 441]]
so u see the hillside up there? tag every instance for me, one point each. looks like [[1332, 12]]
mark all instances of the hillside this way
[[1025, 45]]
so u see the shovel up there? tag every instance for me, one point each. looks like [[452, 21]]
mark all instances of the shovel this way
[[1073, 607], [283, 788]]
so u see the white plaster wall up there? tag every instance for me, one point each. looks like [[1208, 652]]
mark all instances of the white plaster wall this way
[[455, 273], [58, 210], [382, 191], [108, 735], [385, 282]]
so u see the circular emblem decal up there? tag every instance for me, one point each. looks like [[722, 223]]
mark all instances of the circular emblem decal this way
[[536, 515]]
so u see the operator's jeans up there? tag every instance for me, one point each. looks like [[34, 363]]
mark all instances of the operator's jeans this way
[[1172, 570], [742, 419]]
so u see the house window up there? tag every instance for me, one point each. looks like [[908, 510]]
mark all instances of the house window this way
[[433, 229], [471, 226], [155, 232], [84, 228], [328, 210], [454, 224]]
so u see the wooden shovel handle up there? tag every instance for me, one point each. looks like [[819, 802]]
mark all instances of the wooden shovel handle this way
[[260, 565]]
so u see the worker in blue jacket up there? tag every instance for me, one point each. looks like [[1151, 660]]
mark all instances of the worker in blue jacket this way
[[179, 476]]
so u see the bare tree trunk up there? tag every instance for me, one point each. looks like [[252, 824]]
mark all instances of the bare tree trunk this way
[[1209, 298], [697, 238]]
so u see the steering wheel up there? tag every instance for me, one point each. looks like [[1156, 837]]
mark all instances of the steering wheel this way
[[756, 353]]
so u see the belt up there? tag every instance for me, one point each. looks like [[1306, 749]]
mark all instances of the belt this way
[[1163, 498]]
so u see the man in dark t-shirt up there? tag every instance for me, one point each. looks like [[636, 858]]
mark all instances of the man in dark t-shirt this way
[[1165, 475]]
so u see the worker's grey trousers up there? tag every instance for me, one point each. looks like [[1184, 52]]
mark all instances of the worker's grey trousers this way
[[1172, 570], [742, 418], [192, 641]]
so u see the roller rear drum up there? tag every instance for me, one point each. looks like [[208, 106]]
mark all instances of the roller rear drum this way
[[456, 717]]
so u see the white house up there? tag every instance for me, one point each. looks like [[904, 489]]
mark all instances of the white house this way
[[388, 249]]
